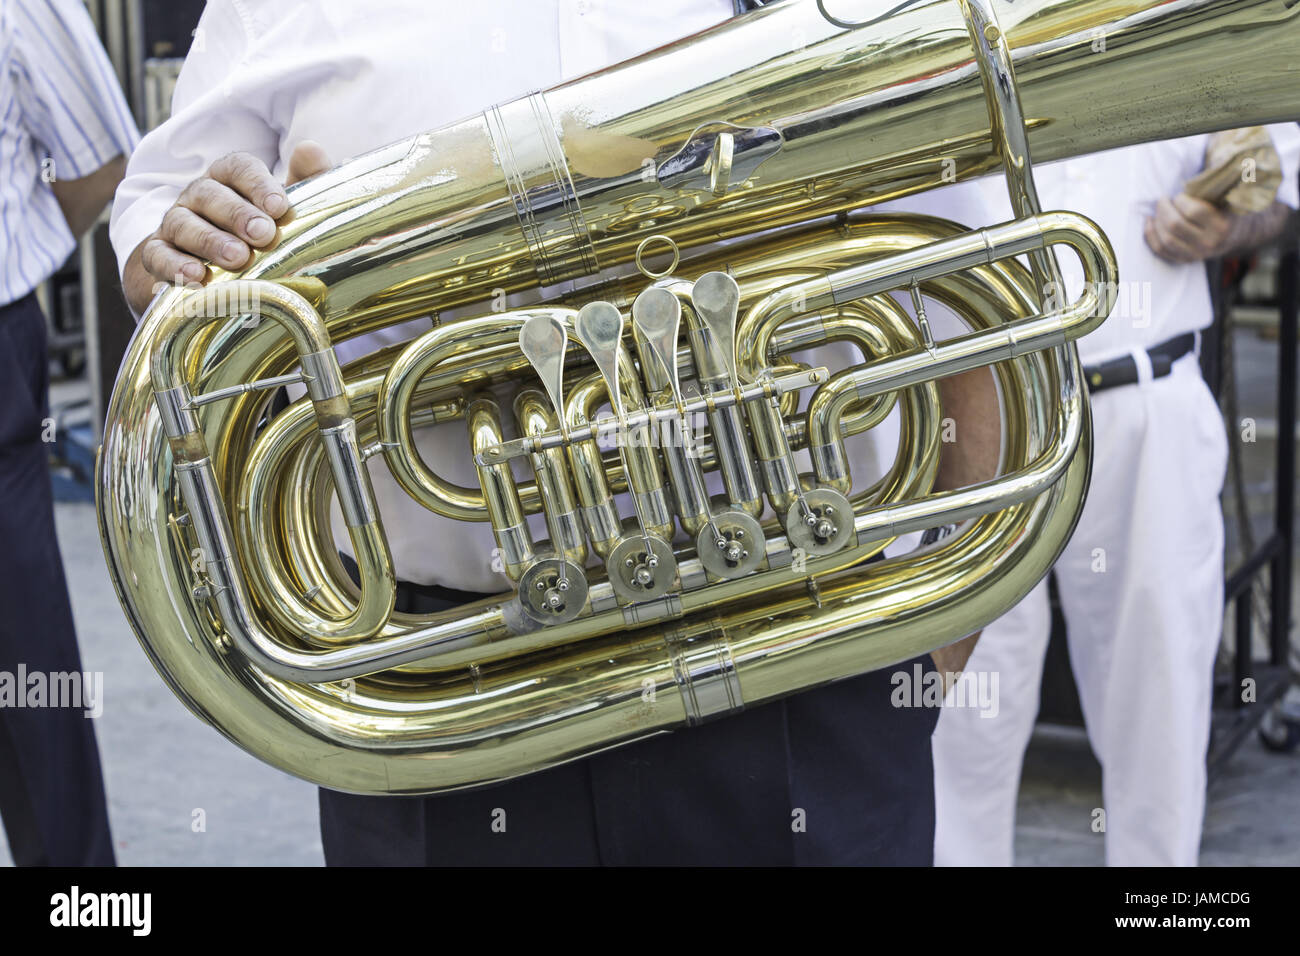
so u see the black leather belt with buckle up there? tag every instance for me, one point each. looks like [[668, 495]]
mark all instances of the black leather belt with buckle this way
[[1124, 370]]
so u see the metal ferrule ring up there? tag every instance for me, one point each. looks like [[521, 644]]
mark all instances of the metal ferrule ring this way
[[602, 522], [516, 547], [321, 372], [828, 462], [173, 408], [706, 674], [654, 506]]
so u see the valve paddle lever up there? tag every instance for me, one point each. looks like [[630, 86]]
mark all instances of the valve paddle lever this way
[[820, 520], [657, 315], [553, 590], [600, 329], [716, 298], [640, 569], [544, 341], [731, 542]]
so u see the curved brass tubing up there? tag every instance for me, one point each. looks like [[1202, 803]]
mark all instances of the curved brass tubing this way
[[422, 357], [505, 513], [911, 474], [337, 428]]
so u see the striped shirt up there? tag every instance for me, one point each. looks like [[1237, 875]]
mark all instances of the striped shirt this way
[[62, 116]]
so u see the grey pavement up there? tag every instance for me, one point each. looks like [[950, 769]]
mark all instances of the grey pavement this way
[[162, 764]]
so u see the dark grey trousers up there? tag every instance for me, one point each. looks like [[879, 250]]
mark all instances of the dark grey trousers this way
[[836, 775], [51, 788]]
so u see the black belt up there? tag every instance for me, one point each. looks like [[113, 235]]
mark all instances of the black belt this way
[[430, 598], [1124, 370], [419, 598]]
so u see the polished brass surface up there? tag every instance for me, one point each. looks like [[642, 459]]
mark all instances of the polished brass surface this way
[[757, 131]]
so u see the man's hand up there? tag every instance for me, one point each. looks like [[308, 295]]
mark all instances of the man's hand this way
[[1186, 229], [308, 159], [951, 661], [221, 218]]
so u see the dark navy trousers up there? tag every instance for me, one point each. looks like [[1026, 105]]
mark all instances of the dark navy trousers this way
[[51, 787], [835, 775]]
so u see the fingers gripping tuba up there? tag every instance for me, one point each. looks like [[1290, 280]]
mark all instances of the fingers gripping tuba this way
[[636, 434]]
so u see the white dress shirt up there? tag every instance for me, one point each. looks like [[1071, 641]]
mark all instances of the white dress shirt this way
[[62, 116], [1118, 189], [264, 76]]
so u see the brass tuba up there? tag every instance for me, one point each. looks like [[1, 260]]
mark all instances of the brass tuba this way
[[766, 131]]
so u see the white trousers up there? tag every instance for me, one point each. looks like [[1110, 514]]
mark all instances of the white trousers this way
[[1141, 586]]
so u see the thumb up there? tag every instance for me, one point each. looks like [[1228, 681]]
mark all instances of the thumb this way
[[307, 160]]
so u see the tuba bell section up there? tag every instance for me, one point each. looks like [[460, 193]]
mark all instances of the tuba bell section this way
[[638, 434]]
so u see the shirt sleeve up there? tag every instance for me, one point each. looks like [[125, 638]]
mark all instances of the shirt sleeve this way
[[219, 106], [65, 87], [1286, 140]]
